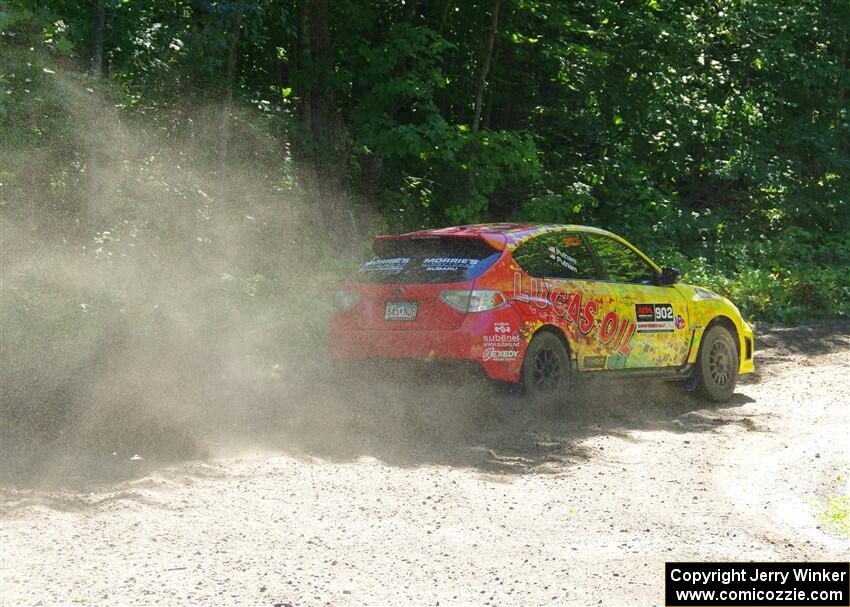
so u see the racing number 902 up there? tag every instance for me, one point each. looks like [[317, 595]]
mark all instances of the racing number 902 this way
[[663, 312]]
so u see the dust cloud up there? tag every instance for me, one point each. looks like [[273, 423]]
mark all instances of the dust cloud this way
[[163, 301], [158, 297]]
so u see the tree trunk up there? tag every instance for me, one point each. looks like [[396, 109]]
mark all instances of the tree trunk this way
[[444, 18], [322, 159], [230, 80], [322, 96], [97, 63], [410, 11], [485, 66], [305, 52]]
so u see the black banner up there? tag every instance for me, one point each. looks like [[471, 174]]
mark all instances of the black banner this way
[[757, 584]]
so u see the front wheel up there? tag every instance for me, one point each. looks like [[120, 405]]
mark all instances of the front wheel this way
[[546, 371], [717, 365]]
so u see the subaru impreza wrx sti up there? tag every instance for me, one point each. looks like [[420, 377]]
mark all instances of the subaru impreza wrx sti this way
[[540, 305]]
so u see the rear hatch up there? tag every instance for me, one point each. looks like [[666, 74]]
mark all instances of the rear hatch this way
[[400, 286]]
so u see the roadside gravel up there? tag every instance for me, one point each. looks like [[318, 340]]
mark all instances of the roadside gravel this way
[[441, 496]]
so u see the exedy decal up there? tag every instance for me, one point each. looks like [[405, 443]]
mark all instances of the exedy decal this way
[[615, 331], [492, 353]]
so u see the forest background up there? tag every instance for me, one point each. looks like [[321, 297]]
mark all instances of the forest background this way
[[184, 183]]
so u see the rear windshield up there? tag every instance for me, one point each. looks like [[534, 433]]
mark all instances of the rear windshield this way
[[427, 260]]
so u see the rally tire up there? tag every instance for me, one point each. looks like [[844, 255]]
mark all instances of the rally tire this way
[[546, 373], [717, 365]]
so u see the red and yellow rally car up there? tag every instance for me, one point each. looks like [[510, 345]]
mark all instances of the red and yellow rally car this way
[[543, 305]]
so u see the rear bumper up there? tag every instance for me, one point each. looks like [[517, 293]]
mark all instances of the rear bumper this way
[[499, 351]]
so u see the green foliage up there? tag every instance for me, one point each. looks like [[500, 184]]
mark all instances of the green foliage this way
[[836, 515], [797, 278], [714, 136]]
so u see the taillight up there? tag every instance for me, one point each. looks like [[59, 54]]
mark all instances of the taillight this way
[[345, 300], [474, 300]]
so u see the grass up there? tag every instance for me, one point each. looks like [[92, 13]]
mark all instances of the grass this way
[[836, 515]]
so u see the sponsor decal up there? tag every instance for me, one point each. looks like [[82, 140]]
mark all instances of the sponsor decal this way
[[571, 241], [562, 259], [447, 264], [654, 317], [502, 345], [701, 293], [594, 362], [502, 327], [617, 362], [680, 322], [391, 265], [496, 340], [615, 331], [499, 354]]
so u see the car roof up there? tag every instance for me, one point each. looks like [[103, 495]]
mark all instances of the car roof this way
[[504, 234]]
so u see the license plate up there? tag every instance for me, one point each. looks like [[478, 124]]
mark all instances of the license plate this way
[[400, 310]]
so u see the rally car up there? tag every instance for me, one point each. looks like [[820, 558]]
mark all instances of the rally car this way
[[539, 305]]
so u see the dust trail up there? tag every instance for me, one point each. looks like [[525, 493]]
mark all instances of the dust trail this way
[[153, 296], [160, 304]]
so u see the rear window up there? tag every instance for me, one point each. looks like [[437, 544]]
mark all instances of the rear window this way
[[427, 260]]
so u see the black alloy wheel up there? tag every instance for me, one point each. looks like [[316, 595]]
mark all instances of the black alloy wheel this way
[[546, 371], [717, 365]]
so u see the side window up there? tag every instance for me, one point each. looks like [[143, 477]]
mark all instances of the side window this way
[[621, 263], [556, 255], [527, 256]]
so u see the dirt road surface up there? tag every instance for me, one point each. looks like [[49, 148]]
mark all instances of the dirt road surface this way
[[441, 495]]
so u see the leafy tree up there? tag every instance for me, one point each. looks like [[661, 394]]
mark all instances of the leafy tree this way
[[713, 134]]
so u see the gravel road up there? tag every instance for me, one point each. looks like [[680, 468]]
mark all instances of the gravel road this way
[[441, 495]]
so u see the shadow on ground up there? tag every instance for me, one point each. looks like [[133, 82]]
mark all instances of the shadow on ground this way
[[812, 339], [409, 421], [477, 425]]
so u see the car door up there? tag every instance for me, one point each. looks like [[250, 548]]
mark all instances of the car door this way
[[564, 290], [657, 337]]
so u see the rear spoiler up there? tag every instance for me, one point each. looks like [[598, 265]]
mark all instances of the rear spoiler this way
[[497, 241]]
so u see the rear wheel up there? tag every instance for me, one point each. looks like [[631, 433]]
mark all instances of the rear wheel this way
[[717, 365], [546, 371]]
